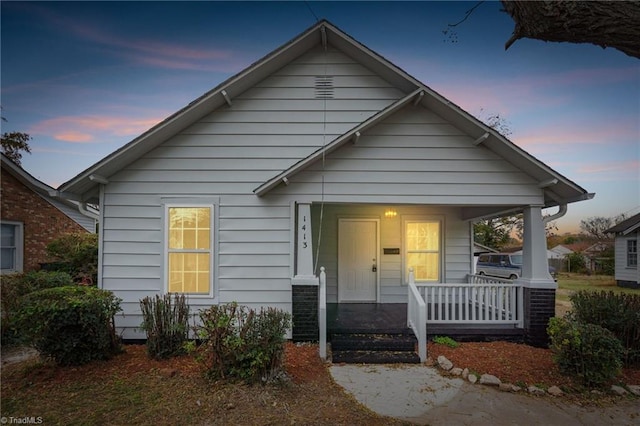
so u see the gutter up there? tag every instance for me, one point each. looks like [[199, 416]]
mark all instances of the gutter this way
[[561, 212]]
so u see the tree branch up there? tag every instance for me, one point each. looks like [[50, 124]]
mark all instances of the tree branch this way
[[613, 24]]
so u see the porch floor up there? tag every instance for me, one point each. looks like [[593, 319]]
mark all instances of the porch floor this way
[[388, 318]]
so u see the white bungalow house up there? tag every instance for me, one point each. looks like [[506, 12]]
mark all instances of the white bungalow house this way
[[322, 154], [626, 235]]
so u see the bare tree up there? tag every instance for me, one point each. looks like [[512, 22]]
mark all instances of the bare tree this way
[[602, 23]]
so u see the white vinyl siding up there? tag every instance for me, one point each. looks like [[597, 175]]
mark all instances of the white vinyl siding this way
[[227, 154], [623, 270], [415, 157]]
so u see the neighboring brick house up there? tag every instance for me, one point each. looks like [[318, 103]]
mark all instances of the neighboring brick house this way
[[31, 218]]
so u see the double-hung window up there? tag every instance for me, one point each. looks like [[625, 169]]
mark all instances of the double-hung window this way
[[11, 251], [423, 249], [632, 253], [189, 248]]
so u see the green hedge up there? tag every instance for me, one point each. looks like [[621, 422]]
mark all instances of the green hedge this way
[[14, 287], [241, 343], [588, 352], [71, 325], [617, 312], [77, 254]]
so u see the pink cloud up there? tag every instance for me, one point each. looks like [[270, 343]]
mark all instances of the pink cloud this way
[[569, 134], [143, 51], [632, 166], [87, 129], [74, 137]]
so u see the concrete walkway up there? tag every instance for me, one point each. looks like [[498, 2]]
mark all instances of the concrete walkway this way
[[419, 394]]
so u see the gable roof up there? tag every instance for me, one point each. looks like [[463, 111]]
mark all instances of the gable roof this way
[[69, 208], [626, 226], [557, 188]]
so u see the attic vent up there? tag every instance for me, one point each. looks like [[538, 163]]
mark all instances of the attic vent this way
[[324, 87]]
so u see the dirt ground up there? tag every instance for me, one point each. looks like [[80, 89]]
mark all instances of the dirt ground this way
[[131, 388]]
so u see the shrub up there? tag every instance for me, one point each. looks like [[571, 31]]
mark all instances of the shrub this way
[[618, 313], [588, 352], [166, 324], [577, 262], [77, 254], [240, 343], [445, 340], [14, 287], [71, 325]]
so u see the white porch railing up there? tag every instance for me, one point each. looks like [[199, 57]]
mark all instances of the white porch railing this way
[[322, 314], [417, 316], [484, 300]]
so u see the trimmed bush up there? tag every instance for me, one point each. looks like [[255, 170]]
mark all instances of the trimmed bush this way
[[242, 344], [14, 287], [77, 254], [166, 322], [71, 325], [588, 352], [617, 312]]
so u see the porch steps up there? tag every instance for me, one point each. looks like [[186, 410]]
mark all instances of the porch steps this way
[[374, 348]]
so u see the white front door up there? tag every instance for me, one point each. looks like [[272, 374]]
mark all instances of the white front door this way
[[357, 260]]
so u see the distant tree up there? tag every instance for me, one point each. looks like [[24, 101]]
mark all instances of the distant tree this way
[[496, 121], [576, 262], [13, 143], [494, 233], [596, 226]]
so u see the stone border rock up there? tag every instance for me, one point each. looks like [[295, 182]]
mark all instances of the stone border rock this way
[[491, 380]]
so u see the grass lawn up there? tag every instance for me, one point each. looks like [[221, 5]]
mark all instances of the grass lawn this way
[[570, 282]]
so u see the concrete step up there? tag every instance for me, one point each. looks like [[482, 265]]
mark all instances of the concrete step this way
[[373, 342], [374, 357]]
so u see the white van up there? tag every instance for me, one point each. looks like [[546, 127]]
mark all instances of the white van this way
[[502, 265]]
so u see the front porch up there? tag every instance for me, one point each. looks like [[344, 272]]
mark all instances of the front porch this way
[[391, 318]]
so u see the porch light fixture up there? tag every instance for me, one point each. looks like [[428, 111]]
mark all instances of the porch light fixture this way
[[389, 213]]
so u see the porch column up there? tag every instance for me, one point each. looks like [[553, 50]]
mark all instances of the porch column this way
[[539, 286], [305, 284]]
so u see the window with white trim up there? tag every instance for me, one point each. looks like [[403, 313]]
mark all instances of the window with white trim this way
[[189, 246], [423, 249], [11, 247], [632, 253]]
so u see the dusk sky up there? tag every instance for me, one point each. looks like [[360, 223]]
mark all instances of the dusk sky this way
[[85, 78]]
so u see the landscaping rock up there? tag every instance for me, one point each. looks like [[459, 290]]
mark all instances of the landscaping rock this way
[[444, 363], [535, 390], [634, 389], [465, 373], [555, 391], [490, 380], [508, 387], [456, 371], [618, 390]]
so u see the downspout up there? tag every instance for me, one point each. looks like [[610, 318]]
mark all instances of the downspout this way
[[561, 212]]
